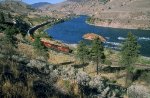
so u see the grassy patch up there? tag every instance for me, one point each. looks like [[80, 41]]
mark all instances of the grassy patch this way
[[144, 60]]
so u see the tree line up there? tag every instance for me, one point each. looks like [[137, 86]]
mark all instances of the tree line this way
[[95, 52]]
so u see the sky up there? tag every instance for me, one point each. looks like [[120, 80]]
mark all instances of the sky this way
[[36, 1]]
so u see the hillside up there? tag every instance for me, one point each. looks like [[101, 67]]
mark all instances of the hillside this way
[[78, 6], [125, 13], [133, 14], [15, 7], [41, 4], [35, 65]]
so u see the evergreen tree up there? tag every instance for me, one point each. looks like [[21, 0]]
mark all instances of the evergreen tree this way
[[82, 52], [39, 47], [2, 18], [129, 53], [10, 32], [97, 52], [37, 43]]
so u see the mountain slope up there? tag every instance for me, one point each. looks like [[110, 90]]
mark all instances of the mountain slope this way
[[15, 6], [125, 14], [78, 6], [40, 4], [113, 13]]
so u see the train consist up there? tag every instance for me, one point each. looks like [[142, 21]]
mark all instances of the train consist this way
[[57, 46]]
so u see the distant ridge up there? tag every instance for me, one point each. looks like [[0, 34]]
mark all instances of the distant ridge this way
[[15, 6], [40, 4]]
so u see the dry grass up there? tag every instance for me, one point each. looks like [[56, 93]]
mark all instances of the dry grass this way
[[68, 86], [26, 50], [59, 58]]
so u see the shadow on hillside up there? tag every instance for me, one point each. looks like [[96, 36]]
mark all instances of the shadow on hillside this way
[[66, 63], [45, 90], [80, 65]]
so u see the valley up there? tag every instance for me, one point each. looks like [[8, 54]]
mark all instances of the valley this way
[[75, 49]]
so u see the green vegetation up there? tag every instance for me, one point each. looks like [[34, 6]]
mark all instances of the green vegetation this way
[[82, 53], [38, 20], [129, 54], [144, 60], [104, 1], [7, 22], [130, 50], [21, 78], [145, 77], [2, 19], [39, 47], [10, 33], [92, 20], [9, 16], [12, 85], [97, 52]]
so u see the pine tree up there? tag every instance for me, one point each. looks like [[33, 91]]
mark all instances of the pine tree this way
[[82, 52], [2, 18], [39, 47], [97, 52], [130, 50], [37, 43], [10, 33], [129, 53]]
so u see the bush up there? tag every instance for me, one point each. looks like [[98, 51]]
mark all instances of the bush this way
[[107, 62], [138, 91], [10, 32], [145, 77], [39, 47]]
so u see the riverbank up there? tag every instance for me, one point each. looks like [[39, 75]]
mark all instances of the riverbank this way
[[52, 21], [118, 25]]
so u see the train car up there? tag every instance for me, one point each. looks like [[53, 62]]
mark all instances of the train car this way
[[55, 46]]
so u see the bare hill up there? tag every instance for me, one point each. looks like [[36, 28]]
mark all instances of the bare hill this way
[[78, 6], [41, 4], [15, 7], [112, 13]]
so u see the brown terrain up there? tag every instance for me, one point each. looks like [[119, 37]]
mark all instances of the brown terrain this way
[[134, 14]]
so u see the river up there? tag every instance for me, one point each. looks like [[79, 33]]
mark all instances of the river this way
[[71, 32]]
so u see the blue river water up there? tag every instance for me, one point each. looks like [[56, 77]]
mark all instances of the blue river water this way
[[71, 32]]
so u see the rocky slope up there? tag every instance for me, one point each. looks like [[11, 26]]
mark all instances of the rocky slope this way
[[78, 6], [125, 14], [121, 13]]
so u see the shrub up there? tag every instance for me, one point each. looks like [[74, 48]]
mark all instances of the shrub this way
[[138, 91], [145, 77]]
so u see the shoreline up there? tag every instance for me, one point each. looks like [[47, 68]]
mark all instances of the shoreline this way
[[117, 27], [75, 44], [36, 27]]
